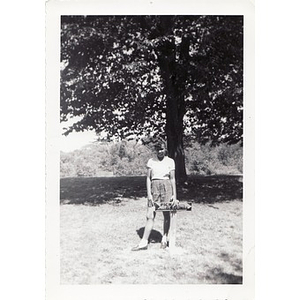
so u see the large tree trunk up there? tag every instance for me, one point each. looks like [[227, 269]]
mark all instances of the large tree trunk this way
[[175, 110], [174, 131]]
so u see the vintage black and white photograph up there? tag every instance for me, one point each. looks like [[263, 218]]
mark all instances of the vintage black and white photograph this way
[[151, 149], [164, 97]]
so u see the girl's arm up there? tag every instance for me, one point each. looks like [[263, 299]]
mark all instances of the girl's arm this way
[[148, 184], [173, 183]]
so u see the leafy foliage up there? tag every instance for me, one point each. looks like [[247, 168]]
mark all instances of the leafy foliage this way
[[130, 158], [106, 159], [161, 76], [112, 76], [208, 160]]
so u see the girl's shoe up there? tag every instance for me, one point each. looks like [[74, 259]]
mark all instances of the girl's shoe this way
[[138, 248], [163, 245]]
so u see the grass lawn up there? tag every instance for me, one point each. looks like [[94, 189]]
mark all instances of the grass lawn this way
[[96, 238]]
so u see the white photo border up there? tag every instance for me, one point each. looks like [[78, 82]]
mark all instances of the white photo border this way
[[54, 10]]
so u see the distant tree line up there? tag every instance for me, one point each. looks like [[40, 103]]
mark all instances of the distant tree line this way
[[130, 158]]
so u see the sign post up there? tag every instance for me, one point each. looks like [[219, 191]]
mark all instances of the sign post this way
[[173, 219]]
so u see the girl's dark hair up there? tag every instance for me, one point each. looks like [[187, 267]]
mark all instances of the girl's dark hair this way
[[160, 145]]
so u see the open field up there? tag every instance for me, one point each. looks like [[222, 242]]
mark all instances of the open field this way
[[96, 238]]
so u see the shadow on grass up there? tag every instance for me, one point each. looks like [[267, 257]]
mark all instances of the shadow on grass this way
[[155, 236], [236, 263], [211, 189], [98, 190], [218, 276]]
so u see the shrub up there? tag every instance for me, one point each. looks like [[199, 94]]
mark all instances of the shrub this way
[[207, 159], [130, 158]]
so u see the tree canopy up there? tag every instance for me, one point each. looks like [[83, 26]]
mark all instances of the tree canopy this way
[[163, 76]]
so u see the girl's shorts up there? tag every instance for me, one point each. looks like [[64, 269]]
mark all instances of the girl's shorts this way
[[161, 190]]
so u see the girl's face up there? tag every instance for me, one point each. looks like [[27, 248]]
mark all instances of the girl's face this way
[[161, 153]]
